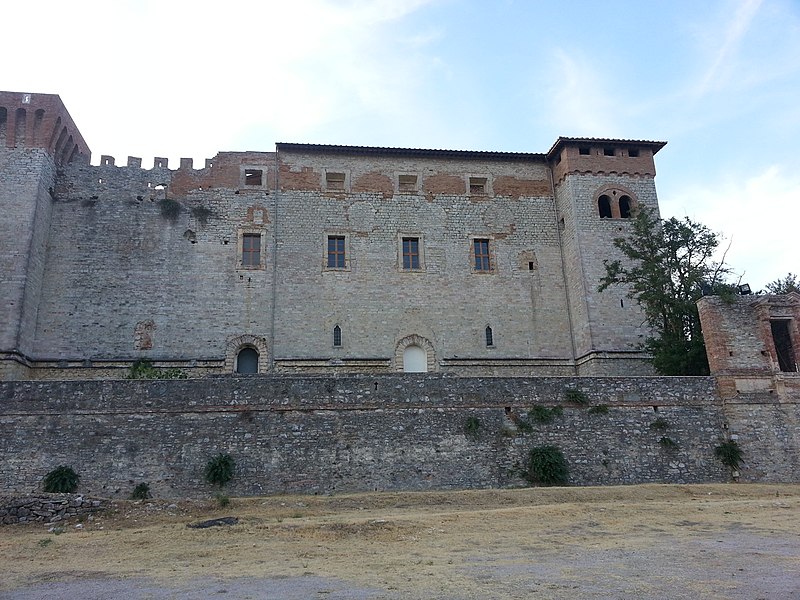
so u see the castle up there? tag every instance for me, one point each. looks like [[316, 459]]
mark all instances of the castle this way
[[331, 272], [314, 258]]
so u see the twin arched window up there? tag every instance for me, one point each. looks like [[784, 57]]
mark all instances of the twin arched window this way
[[615, 205]]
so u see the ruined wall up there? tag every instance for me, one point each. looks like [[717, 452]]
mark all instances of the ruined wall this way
[[348, 433]]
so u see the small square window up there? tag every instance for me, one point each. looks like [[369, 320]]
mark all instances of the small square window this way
[[633, 152], [251, 250], [336, 252], [411, 256], [477, 185], [253, 177], [608, 151], [482, 258], [407, 183], [334, 181], [584, 151]]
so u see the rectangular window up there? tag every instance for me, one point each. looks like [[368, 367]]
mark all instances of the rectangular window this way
[[336, 253], [477, 185], [251, 250], [407, 183], [783, 345], [480, 248], [584, 151], [334, 181], [253, 177], [411, 254]]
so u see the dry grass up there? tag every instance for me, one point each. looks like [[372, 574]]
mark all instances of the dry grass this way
[[433, 544]]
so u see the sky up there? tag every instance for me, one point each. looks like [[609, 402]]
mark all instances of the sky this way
[[719, 80]]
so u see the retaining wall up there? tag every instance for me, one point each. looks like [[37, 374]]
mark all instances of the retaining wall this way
[[389, 432]]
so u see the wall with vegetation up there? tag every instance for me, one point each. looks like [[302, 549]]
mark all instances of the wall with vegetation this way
[[389, 432]]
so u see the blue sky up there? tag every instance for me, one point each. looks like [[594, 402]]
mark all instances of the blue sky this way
[[718, 80]]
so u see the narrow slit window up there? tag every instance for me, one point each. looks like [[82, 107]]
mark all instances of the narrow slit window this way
[[336, 252], [251, 250], [483, 260], [337, 337], [411, 260], [489, 337]]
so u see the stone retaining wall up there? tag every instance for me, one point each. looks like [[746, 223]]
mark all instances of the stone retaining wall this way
[[49, 508], [291, 434]]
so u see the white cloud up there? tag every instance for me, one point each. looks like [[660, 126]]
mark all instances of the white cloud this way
[[757, 213]]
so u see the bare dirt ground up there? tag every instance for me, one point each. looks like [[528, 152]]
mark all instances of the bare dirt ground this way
[[649, 541]]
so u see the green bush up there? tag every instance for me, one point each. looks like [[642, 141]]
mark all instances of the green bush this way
[[544, 415], [201, 213], [141, 492], [471, 426], [547, 466], [219, 469], [62, 479], [222, 500], [577, 396], [729, 453], [668, 443], [660, 424], [144, 369], [600, 409]]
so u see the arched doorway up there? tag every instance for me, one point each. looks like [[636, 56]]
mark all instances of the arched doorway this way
[[247, 361], [415, 359]]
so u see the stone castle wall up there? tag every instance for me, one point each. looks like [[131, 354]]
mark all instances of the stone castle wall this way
[[387, 432]]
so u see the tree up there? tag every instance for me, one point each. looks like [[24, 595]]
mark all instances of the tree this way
[[784, 286], [668, 266]]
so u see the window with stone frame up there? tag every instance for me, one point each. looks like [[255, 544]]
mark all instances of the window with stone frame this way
[[411, 254], [251, 250], [481, 255], [337, 257]]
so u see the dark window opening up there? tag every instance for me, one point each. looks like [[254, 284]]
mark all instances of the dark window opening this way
[[530, 266], [608, 151], [477, 185], [410, 254], [337, 336], [482, 258], [251, 250], [625, 207], [558, 158], [604, 206], [253, 177], [783, 346], [489, 337], [336, 253], [247, 361], [633, 152], [584, 151]]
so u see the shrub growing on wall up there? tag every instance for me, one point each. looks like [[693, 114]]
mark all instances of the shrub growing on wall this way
[[729, 453], [62, 479], [547, 466], [219, 469]]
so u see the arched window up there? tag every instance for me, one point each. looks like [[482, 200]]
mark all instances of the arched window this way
[[247, 361], [604, 206], [337, 336], [489, 337], [415, 360], [625, 207]]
